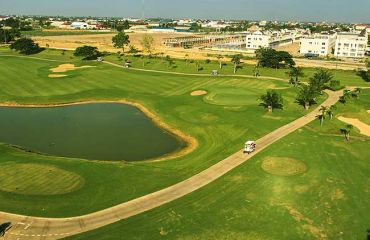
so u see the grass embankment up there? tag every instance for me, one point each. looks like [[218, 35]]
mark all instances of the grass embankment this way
[[328, 201], [220, 122]]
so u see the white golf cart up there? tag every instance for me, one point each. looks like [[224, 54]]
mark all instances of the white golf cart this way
[[250, 147]]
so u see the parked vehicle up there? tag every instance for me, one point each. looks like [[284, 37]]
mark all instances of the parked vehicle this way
[[250, 146]]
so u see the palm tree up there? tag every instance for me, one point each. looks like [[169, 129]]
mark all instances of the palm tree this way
[[346, 94], [346, 131], [186, 59], [271, 100], [321, 117], [323, 111], [306, 96], [220, 57], [356, 93], [236, 60], [4, 228], [295, 73], [256, 70], [330, 111]]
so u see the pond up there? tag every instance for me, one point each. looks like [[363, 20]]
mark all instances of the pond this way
[[96, 131]]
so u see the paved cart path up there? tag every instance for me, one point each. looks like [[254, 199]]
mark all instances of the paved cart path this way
[[34, 228]]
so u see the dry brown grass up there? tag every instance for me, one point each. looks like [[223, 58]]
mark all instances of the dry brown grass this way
[[282, 166]]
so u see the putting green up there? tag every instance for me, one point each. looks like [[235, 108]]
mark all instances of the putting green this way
[[283, 166], [36, 179], [232, 97]]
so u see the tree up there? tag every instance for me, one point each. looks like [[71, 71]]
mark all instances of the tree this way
[[364, 74], [271, 100], [4, 228], [295, 73], [186, 57], [346, 95], [198, 66], [256, 70], [121, 40], [268, 57], [356, 93], [320, 79], [169, 61], [147, 43], [220, 58], [9, 35], [330, 111], [88, 52], [26, 46], [346, 131], [133, 50], [236, 60], [306, 96], [322, 115]]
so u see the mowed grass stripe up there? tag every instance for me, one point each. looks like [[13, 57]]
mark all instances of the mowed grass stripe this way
[[35, 179]]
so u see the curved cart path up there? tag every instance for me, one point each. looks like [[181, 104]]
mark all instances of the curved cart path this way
[[32, 228]]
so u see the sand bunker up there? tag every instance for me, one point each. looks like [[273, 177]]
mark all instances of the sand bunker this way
[[67, 67], [363, 127], [368, 111], [56, 75], [282, 166], [198, 93]]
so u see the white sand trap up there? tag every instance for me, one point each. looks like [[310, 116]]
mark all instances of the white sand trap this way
[[67, 67], [198, 93], [363, 127], [368, 111], [57, 75]]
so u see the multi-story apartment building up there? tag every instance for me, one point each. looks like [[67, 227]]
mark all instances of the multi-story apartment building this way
[[317, 44], [257, 40], [351, 45]]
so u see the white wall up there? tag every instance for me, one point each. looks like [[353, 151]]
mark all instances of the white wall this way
[[257, 40], [350, 45], [317, 44]]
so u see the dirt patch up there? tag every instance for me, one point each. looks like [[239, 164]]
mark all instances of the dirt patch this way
[[308, 223], [198, 93], [337, 195], [56, 75], [67, 67], [363, 127], [282, 166]]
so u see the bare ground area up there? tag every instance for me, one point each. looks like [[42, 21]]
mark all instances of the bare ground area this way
[[104, 43], [363, 127], [65, 68], [198, 93], [56, 75]]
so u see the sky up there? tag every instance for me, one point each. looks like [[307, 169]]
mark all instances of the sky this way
[[355, 11]]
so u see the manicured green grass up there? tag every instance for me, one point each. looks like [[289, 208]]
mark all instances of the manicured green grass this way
[[34, 179], [221, 129], [346, 77], [331, 197], [329, 200]]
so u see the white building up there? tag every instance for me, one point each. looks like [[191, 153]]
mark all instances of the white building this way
[[351, 45], [79, 25], [317, 44], [257, 40]]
